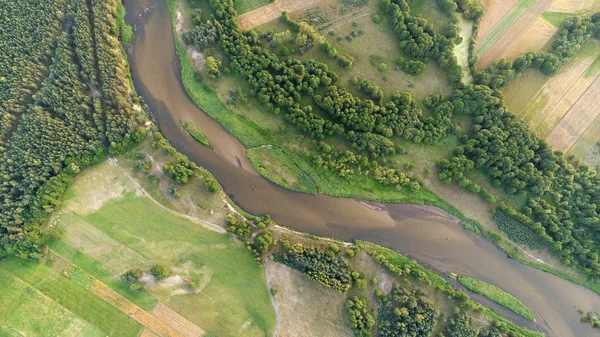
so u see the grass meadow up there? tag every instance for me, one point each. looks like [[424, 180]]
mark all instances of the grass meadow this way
[[496, 294]]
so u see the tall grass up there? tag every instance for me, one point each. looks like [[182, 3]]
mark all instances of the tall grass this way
[[496, 294]]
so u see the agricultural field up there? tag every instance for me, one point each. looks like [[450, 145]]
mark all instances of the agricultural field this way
[[115, 218]]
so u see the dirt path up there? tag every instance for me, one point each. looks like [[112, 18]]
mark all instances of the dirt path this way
[[271, 12], [205, 223], [514, 33]]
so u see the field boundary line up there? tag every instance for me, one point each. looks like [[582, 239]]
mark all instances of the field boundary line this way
[[491, 36], [207, 224]]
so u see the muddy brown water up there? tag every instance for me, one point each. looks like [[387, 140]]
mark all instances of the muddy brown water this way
[[426, 234]]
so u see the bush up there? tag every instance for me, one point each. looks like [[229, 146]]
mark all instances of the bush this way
[[376, 18], [160, 271]]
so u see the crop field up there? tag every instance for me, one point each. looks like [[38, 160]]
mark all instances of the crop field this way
[[571, 6], [514, 24], [495, 12], [533, 39], [577, 120], [120, 229], [243, 6], [560, 92], [555, 18]]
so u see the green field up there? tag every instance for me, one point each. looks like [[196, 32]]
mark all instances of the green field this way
[[27, 311], [108, 227], [496, 294], [503, 26], [556, 18], [63, 298], [243, 6]]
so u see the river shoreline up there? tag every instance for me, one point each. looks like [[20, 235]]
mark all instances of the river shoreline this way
[[434, 240]]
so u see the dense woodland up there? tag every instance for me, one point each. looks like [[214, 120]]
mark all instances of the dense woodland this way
[[65, 103], [562, 199]]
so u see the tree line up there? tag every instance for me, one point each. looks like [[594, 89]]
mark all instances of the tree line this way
[[62, 112]]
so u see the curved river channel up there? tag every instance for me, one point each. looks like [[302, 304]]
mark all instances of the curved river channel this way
[[424, 233]]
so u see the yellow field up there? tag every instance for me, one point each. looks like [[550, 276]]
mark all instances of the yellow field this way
[[534, 39], [271, 12], [571, 6], [577, 119]]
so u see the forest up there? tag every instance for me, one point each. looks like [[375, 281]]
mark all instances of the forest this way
[[66, 102], [561, 199]]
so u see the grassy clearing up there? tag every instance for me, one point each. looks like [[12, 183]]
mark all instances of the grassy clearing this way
[[274, 164], [503, 26], [196, 133], [556, 18], [594, 69], [377, 45], [520, 91], [130, 231], [27, 312], [496, 294], [72, 297], [243, 6]]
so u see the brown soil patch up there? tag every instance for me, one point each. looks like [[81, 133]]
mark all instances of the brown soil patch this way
[[571, 6], [514, 33], [493, 14], [305, 307], [577, 119], [132, 310], [271, 12], [176, 321], [560, 93], [534, 39]]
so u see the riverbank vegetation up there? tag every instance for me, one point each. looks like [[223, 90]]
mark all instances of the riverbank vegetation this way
[[495, 294], [196, 133], [309, 94]]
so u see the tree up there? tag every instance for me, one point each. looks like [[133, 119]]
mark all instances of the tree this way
[[212, 66]]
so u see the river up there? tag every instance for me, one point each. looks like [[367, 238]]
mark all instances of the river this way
[[426, 234]]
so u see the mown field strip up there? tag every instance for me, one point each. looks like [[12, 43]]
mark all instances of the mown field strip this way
[[493, 51], [577, 119], [138, 314], [271, 12], [503, 25], [550, 103], [534, 39]]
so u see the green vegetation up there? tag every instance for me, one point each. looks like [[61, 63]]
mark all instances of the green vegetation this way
[[279, 167], [406, 313], [321, 265], [196, 133], [27, 311], [556, 18], [243, 6], [361, 318], [517, 231], [496, 294], [591, 318], [123, 30], [52, 126], [72, 297]]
